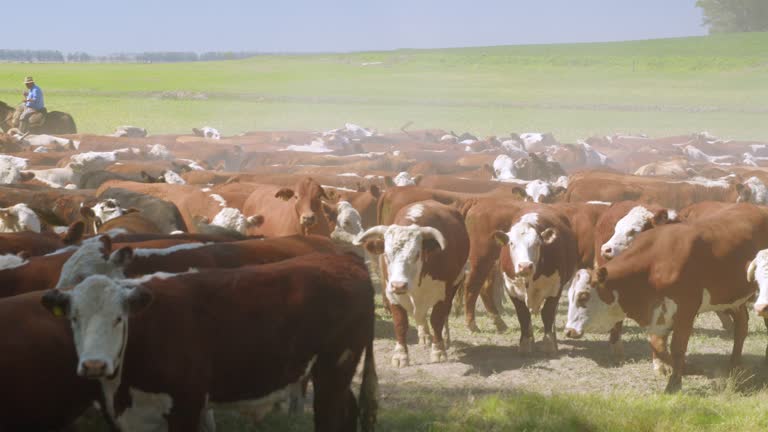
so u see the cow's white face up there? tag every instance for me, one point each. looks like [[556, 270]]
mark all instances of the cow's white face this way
[[758, 272], [348, 219], [211, 133], [633, 223], [587, 312], [98, 310], [404, 249], [525, 241], [93, 257], [404, 179], [107, 210], [504, 168]]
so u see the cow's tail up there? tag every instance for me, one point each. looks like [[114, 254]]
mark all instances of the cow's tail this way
[[369, 391]]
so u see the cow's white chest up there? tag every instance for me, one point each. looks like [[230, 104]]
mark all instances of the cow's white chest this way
[[146, 413], [707, 306], [533, 292], [662, 317], [418, 300]]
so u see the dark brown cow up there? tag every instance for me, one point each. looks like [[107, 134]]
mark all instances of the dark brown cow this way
[[538, 258], [671, 274], [424, 252], [37, 368], [307, 315]]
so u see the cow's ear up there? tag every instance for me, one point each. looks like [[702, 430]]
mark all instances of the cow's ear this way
[[25, 254], [137, 299], [257, 220], [330, 212], [430, 246], [389, 182], [57, 302], [418, 179], [197, 132], [549, 235], [661, 217], [87, 212], [331, 195], [751, 270], [131, 210], [285, 194], [375, 246], [122, 257], [501, 238], [27, 176], [74, 234], [375, 191], [602, 275]]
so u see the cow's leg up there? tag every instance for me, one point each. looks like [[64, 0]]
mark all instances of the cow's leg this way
[[185, 415], [526, 331], [334, 404], [660, 354], [681, 333], [383, 283], [489, 296], [726, 320], [548, 313], [478, 274], [740, 330], [400, 320], [614, 340], [438, 319], [765, 320]]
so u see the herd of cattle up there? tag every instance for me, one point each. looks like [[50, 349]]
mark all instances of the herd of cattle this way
[[242, 263]]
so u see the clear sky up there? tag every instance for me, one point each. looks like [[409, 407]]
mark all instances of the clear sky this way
[[106, 26]]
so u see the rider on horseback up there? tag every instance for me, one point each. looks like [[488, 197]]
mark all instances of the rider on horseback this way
[[34, 104]]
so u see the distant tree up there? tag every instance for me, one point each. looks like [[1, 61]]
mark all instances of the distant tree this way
[[730, 16]]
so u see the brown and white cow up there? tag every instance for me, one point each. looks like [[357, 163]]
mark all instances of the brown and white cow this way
[[538, 258], [668, 276], [424, 252], [132, 335], [33, 244]]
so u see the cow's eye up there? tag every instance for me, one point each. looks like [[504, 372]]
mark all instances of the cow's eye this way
[[118, 320], [79, 278]]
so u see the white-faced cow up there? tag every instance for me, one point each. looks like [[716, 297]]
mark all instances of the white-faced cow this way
[[157, 342], [424, 252], [539, 256], [668, 276]]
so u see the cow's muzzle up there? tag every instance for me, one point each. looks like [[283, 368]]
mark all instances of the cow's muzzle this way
[[308, 219], [399, 288], [761, 310], [92, 369]]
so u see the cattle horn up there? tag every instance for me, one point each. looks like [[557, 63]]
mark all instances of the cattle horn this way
[[751, 271], [434, 233], [377, 231]]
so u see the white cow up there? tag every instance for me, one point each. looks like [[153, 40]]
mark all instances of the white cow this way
[[18, 218]]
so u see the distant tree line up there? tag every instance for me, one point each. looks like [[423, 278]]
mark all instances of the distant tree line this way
[[52, 56], [730, 16]]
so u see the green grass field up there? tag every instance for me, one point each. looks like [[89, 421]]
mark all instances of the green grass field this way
[[658, 87]]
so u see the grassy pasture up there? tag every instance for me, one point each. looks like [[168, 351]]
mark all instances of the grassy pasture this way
[[657, 87]]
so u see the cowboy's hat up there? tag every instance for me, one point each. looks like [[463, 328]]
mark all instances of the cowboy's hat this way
[[29, 80]]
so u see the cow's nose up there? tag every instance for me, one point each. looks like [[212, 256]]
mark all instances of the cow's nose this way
[[573, 333], [761, 309], [607, 252], [525, 268], [399, 287], [308, 219], [93, 368]]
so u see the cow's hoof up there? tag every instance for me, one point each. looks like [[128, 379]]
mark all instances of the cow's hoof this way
[[617, 352], [437, 355], [549, 344], [674, 385], [400, 360], [424, 337], [472, 326], [501, 326], [526, 345], [661, 368]]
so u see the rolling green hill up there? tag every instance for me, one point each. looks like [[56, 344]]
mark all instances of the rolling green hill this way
[[658, 87]]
